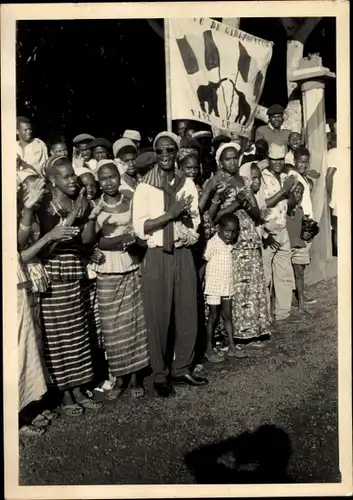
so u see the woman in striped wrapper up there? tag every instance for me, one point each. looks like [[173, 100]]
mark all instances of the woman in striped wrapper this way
[[32, 279], [67, 342], [118, 287]]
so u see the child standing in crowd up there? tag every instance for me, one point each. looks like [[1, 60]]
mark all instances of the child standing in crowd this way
[[219, 285], [294, 142], [300, 258]]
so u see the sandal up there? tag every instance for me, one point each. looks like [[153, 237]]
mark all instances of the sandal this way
[[90, 404], [50, 415], [30, 430], [137, 392], [113, 394], [40, 421], [74, 410]]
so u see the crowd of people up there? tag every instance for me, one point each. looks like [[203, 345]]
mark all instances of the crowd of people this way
[[135, 262]]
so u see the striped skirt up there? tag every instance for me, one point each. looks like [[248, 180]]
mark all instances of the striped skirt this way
[[122, 322], [31, 383], [66, 339], [93, 320]]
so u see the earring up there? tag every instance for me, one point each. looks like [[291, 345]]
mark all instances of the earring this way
[[54, 184]]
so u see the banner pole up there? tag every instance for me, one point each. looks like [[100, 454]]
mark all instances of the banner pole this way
[[167, 74]]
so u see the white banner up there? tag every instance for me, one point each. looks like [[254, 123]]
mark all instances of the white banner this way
[[217, 73]]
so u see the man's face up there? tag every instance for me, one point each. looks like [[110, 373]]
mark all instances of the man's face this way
[[294, 141], [166, 151], [84, 151], [25, 132], [276, 120], [182, 126], [302, 164], [276, 166]]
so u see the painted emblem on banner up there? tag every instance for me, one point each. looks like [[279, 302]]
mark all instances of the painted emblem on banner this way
[[217, 73]]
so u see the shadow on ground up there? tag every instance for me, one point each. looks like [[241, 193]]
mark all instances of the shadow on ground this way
[[251, 458]]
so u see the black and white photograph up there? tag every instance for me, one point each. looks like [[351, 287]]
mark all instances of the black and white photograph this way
[[181, 314]]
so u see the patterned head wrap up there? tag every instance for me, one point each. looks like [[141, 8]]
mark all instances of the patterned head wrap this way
[[50, 164], [184, 153], [224, 146], [172, 136]]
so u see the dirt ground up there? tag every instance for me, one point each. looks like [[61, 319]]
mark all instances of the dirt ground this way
[[286, 392]]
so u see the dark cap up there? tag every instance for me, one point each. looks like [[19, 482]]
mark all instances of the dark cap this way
[[146, 159], [100, 141], [275, 109]]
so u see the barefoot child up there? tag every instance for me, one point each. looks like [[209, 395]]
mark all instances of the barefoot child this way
[[300, 255], [219, 286]]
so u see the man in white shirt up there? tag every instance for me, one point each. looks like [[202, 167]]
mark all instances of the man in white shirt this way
[[169, 283], [32, 153], [82, 154], [277, 250]]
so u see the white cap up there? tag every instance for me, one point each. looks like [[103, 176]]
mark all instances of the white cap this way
[[133, 135], [276, 152]]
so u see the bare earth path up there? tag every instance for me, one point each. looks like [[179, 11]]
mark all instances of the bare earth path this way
[[292, 385]]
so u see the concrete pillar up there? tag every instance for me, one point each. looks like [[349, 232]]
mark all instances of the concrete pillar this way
[[311, 78]]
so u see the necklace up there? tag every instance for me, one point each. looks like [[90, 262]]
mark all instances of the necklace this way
[[111, 205], [59, 205]]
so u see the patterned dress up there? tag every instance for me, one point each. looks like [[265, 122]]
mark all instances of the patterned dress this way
[[250, 310]]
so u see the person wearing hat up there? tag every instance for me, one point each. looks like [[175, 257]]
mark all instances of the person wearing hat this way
[[277, 250], [273, 131], [124, 152], [166, 216], [82, 153], [101, 149], [134, 136]]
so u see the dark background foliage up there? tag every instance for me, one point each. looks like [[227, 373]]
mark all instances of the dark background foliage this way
[[103, 76]]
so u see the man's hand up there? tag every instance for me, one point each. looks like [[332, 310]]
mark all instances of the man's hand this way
[[180, 206]]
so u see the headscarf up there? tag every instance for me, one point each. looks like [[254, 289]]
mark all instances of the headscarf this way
[[51, 163], [122, 143], [224, 146], [171, 135], [101, 163], [186, 153], [85, 170]]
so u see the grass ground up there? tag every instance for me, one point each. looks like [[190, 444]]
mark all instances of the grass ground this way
[[291, 385]]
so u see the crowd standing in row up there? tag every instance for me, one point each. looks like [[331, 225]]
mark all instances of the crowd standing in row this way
[[123, 250]]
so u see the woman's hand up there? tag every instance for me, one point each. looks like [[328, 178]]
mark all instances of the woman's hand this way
[[97, 256], [59, 233], [79, 203], [242, 195], [96, 210], [271, 242], [35, 194]]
